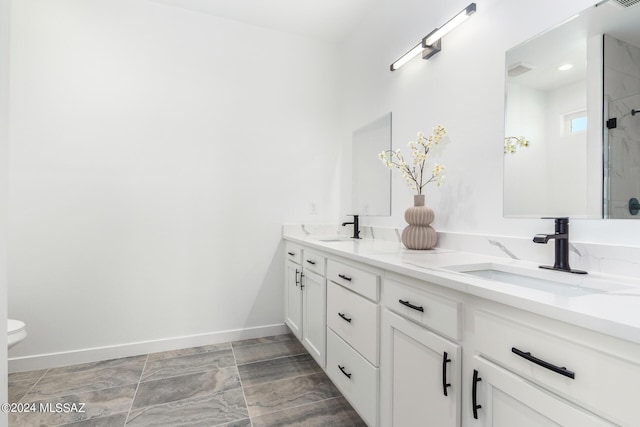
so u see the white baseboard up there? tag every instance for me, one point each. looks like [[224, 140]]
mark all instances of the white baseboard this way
[[52, 360]]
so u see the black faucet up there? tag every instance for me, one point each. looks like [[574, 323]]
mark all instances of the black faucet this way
[[561, 237], [356, 227]]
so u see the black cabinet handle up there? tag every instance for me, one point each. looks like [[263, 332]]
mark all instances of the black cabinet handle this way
[[297, 280], [474, 394], [342, 276], [344, 317], [311, 262], [559, 370], [301, 284], [343, 371], [291, 253], [445, 384], [408, 304]]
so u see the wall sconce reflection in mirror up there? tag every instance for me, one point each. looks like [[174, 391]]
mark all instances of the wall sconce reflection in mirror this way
[[430, 44]]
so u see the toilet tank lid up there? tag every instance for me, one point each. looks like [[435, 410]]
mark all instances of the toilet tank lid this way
[[15, 325]]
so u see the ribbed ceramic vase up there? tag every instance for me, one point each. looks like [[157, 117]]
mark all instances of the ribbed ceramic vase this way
[[419, 234]]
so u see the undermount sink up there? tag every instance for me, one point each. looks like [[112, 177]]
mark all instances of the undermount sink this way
[[554, 282], [334, 239]]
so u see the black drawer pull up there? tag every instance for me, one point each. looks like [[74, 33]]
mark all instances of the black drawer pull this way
[[311, 262], [297, 280], [344, 317], [343, 371], [408, 304], [291, 253], [474, 394], [445, 384], [559, 370], [342, 276]]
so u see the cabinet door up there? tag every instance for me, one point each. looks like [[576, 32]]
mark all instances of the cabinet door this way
[[507, 400], [420, 383], [314, 309], [293, 299]]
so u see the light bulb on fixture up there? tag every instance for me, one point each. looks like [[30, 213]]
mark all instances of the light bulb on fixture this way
[[407, 57], [430, 44], [439, 33]]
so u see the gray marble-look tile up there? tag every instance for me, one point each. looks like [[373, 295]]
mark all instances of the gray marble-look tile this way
[[255, 353], [263, 340], [167, 390], [240, 423], [26, 376], [188, 351], [285, 394], [331, 412], [210, 410], [116, 420], [277, 369], [102, 364], [199, 362], [92, 404], [85, 381], [19, 383], [18, 389]]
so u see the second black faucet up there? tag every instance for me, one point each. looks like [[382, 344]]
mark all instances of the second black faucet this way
[[356, 227]]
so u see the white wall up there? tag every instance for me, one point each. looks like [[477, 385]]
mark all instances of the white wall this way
[[461, 88], [567, 153], [525, 169], [4, 150], [155, 154]]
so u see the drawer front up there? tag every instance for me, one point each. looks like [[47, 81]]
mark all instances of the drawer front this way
[[506, 399], [363, 282], [293, 252], [356, 378], [354, 319], [315, 262], [436, 312], [602, 383]]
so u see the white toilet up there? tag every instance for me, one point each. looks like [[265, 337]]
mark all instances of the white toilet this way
[[17, 332]]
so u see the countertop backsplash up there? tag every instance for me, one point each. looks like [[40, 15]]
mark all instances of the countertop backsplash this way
[[595, 257]]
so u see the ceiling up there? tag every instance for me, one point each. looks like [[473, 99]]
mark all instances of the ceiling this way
[[567, 44], [331, 20]]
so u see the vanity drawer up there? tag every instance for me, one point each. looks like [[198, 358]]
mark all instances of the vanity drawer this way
[[315, 262], [603, 382], [354, 319], [438, 313], [293, 252], [363, 282], [356, 378]]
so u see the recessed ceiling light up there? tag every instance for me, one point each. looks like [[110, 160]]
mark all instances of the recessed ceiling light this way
[[565, 67]]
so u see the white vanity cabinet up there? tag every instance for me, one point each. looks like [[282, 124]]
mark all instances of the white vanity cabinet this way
[[416, 348], [503, 399], [353, 318], [306, 299], [420, 369], [293, 291], [585, 378]]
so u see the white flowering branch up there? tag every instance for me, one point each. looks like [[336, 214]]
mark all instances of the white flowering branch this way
[[511, 143], [414, 174]]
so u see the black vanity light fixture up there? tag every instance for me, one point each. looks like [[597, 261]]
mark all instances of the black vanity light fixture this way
[[430, 44]]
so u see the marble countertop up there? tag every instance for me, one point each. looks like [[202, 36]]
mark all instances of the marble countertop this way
[[614, 309]]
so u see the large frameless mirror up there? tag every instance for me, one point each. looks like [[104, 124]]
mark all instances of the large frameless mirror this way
[[372, 181], [572, 142]]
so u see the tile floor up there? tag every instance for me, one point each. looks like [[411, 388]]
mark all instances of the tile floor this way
[[259, 382]]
